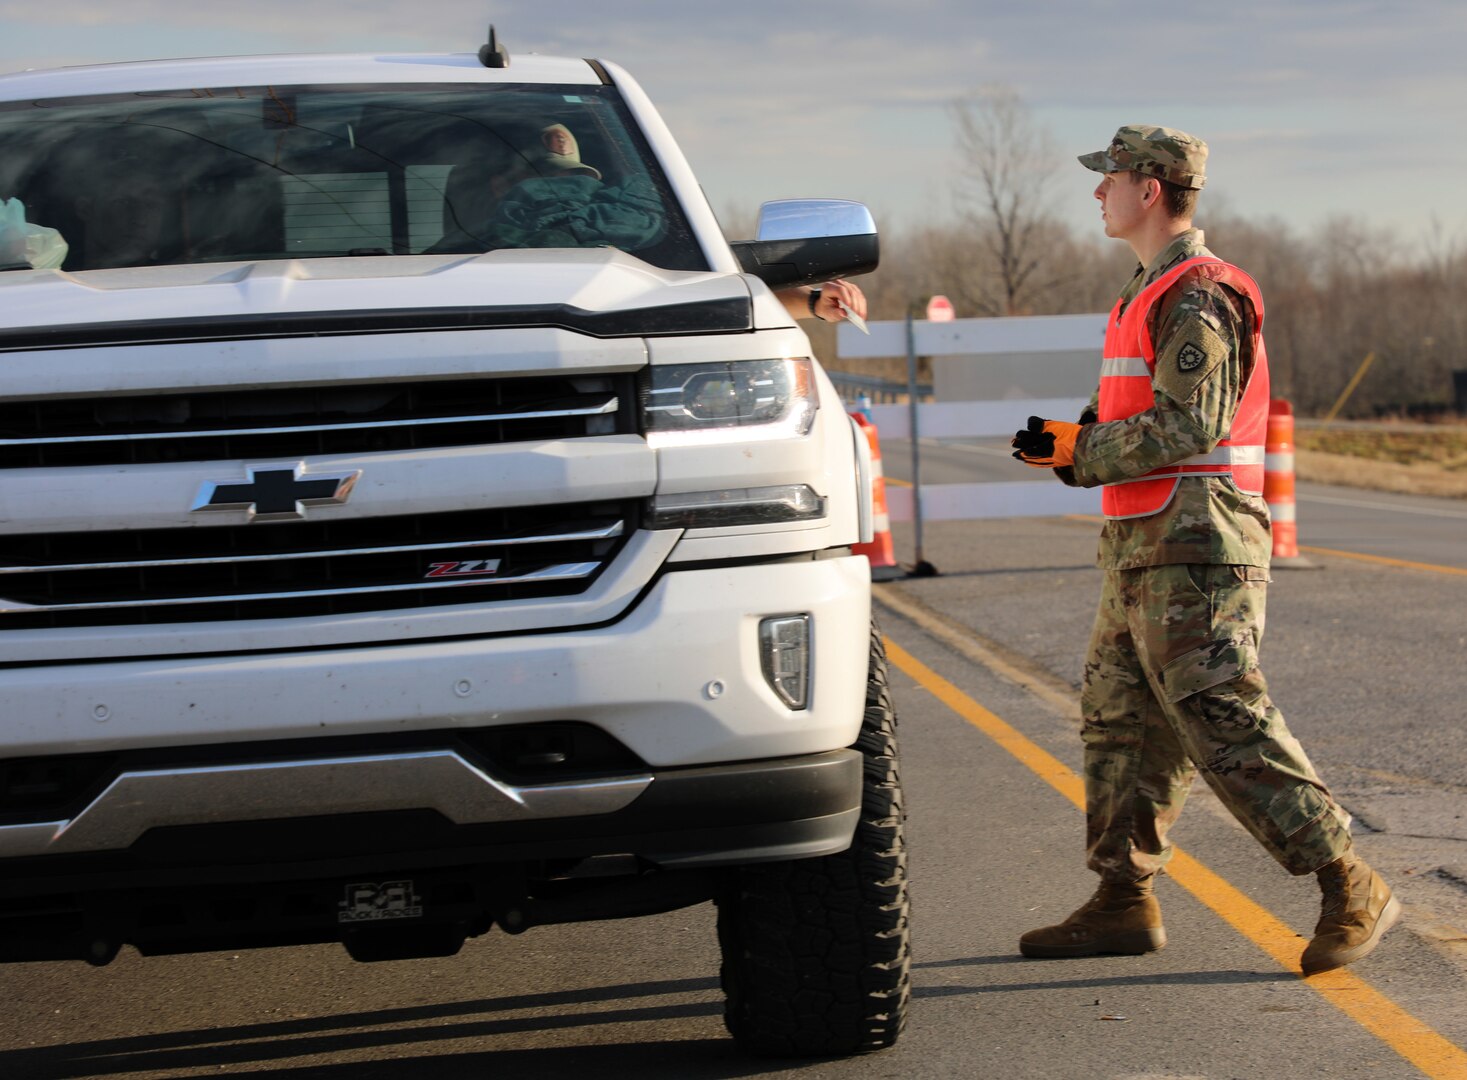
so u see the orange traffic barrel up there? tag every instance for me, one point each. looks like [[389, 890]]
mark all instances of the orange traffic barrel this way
[[1278, 484], [880, 551]]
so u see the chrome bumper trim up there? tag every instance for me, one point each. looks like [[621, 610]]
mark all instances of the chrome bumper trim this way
[[438, 780]]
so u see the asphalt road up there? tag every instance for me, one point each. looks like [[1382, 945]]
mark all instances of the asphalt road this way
[[994, 851], [1410, 527], [1365, 660]]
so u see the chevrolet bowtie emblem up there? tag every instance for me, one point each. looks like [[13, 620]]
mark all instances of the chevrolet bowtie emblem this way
[[279, 493]]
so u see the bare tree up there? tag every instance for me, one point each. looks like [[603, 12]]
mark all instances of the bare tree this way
[[1007, 167]]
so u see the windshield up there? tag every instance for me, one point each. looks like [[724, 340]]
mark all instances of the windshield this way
[[227, 174]]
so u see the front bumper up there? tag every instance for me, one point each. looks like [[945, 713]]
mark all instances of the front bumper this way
[[701, 817], [242, 884], [678, 680]]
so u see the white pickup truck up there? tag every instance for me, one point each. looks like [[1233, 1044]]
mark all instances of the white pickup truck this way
[[416, 518]]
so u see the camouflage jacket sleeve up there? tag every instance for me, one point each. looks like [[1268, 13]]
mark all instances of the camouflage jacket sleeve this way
[[1196, 385], [1066, 473]]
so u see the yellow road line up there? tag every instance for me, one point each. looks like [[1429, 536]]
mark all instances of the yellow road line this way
[[1418, 1043], [894, 482], [1383, 560]]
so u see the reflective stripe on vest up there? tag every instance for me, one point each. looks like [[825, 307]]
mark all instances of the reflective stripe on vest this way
[[1125, 365], [1126, 372]]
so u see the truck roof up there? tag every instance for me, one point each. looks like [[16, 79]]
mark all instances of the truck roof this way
[[291, 69]]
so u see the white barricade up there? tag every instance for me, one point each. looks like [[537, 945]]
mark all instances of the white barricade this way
[[973, 502], [975, 337], [971, 419], [997, 338]]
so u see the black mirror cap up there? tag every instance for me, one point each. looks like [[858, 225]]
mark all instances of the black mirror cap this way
[[783, 263]]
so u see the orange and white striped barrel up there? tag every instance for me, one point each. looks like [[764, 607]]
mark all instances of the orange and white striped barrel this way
[[880, 551], [1278, 479]]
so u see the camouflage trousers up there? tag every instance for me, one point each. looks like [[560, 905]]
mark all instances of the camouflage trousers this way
[[1171, 686]]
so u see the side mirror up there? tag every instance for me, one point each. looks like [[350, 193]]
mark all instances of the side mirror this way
[[807, 241]]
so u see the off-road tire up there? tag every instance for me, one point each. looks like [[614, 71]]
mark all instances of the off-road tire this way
[[816, 952]]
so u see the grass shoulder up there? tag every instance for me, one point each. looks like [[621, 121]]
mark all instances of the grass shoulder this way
[[1419, 460]]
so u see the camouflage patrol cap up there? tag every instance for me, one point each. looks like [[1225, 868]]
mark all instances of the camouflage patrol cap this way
[[1165, 153]]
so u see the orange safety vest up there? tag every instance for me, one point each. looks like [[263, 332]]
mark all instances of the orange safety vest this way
[[1126, 389]]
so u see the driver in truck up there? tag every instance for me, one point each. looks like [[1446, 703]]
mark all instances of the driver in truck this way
[[545, 195]]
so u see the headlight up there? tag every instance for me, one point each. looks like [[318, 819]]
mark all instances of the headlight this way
[[728, 402], [736, 506]]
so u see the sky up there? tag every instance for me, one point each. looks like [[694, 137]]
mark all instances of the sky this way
[[1313, 109]]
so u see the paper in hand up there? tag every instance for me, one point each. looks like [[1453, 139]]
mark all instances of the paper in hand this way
[[855, 320]]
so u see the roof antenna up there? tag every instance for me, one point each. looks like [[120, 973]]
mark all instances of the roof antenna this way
[[493, 55]]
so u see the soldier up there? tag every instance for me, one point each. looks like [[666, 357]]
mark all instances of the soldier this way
[[1175, 434]]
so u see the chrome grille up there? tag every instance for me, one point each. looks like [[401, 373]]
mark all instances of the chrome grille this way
[[305, 421], [306, 568]]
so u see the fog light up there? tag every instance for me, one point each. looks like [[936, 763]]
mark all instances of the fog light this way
[[784, 653]]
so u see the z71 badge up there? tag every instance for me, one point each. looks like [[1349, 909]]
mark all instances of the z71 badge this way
[[467, 568]]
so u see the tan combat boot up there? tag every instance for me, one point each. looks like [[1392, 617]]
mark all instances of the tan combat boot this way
[[1122, 917], [1358, 909]]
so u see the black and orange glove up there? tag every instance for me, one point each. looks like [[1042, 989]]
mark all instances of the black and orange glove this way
[[1046, 444]]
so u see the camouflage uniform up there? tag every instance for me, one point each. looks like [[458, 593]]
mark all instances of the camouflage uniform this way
[[1171, 681]]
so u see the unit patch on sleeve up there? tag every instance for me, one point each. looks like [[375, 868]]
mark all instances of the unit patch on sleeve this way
[[1190, 357]]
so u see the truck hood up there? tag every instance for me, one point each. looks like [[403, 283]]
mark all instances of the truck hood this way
[[600, 292]]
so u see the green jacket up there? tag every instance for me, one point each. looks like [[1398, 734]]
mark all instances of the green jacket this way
[[578, 211]]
